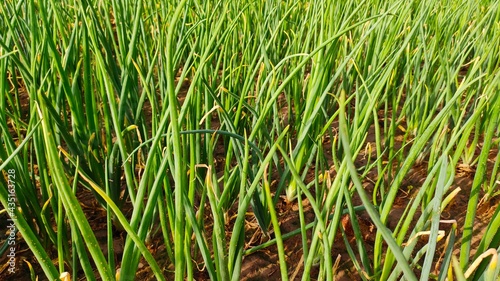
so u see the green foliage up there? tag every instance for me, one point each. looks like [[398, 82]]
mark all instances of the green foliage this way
[[175, 114]]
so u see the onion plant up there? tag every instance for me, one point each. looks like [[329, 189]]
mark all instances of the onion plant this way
[[180, 122]]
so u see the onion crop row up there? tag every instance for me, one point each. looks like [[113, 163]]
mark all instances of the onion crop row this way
[[181, 118]]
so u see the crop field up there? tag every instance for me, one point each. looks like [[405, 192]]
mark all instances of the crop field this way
[[249, 140]]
